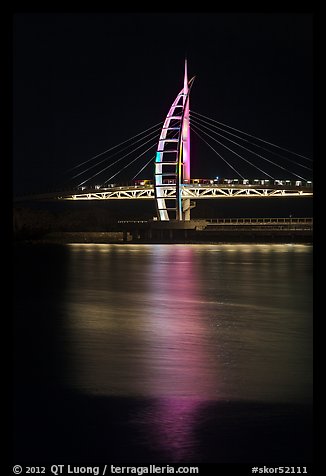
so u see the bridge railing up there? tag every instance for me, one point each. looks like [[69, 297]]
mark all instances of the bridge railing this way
[[267, 221]]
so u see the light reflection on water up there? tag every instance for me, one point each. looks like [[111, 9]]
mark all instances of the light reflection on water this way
[[215, 322], [169, 423], [177, 353], [186, 325]]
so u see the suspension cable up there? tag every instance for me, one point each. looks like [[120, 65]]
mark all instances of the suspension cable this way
[[114, 147], [128, 165], [119, 160], [147, 163], [252, 152], [266, 142], [113, 155], [248, 161], [251, 142], [238, 173]]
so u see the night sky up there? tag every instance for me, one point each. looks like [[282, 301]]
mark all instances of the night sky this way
[[83, 82]]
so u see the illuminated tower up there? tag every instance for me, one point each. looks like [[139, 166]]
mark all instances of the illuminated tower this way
[[172, 161]]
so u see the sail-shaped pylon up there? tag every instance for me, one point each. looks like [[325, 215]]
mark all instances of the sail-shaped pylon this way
[[172, 161]]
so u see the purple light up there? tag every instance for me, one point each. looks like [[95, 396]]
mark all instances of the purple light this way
[[179, 111]]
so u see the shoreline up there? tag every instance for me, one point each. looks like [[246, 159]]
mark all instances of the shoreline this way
[[117, 238]]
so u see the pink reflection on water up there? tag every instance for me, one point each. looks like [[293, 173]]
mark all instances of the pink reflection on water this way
[[181, 361], [169, 427], [183, 372]]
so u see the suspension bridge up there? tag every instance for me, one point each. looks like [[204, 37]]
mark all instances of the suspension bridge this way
[[170, 184]]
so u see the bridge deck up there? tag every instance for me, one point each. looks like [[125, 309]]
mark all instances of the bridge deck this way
[[189, 191], [146, 192]]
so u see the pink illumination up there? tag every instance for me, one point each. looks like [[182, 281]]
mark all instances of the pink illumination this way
[[186, 129], [177, 119], [159, 162], [182, 378], [169, 424]]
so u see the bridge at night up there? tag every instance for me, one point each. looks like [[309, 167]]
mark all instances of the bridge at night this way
[[171, 186]]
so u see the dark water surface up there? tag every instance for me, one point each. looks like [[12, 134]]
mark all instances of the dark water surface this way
[[163, 353]]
